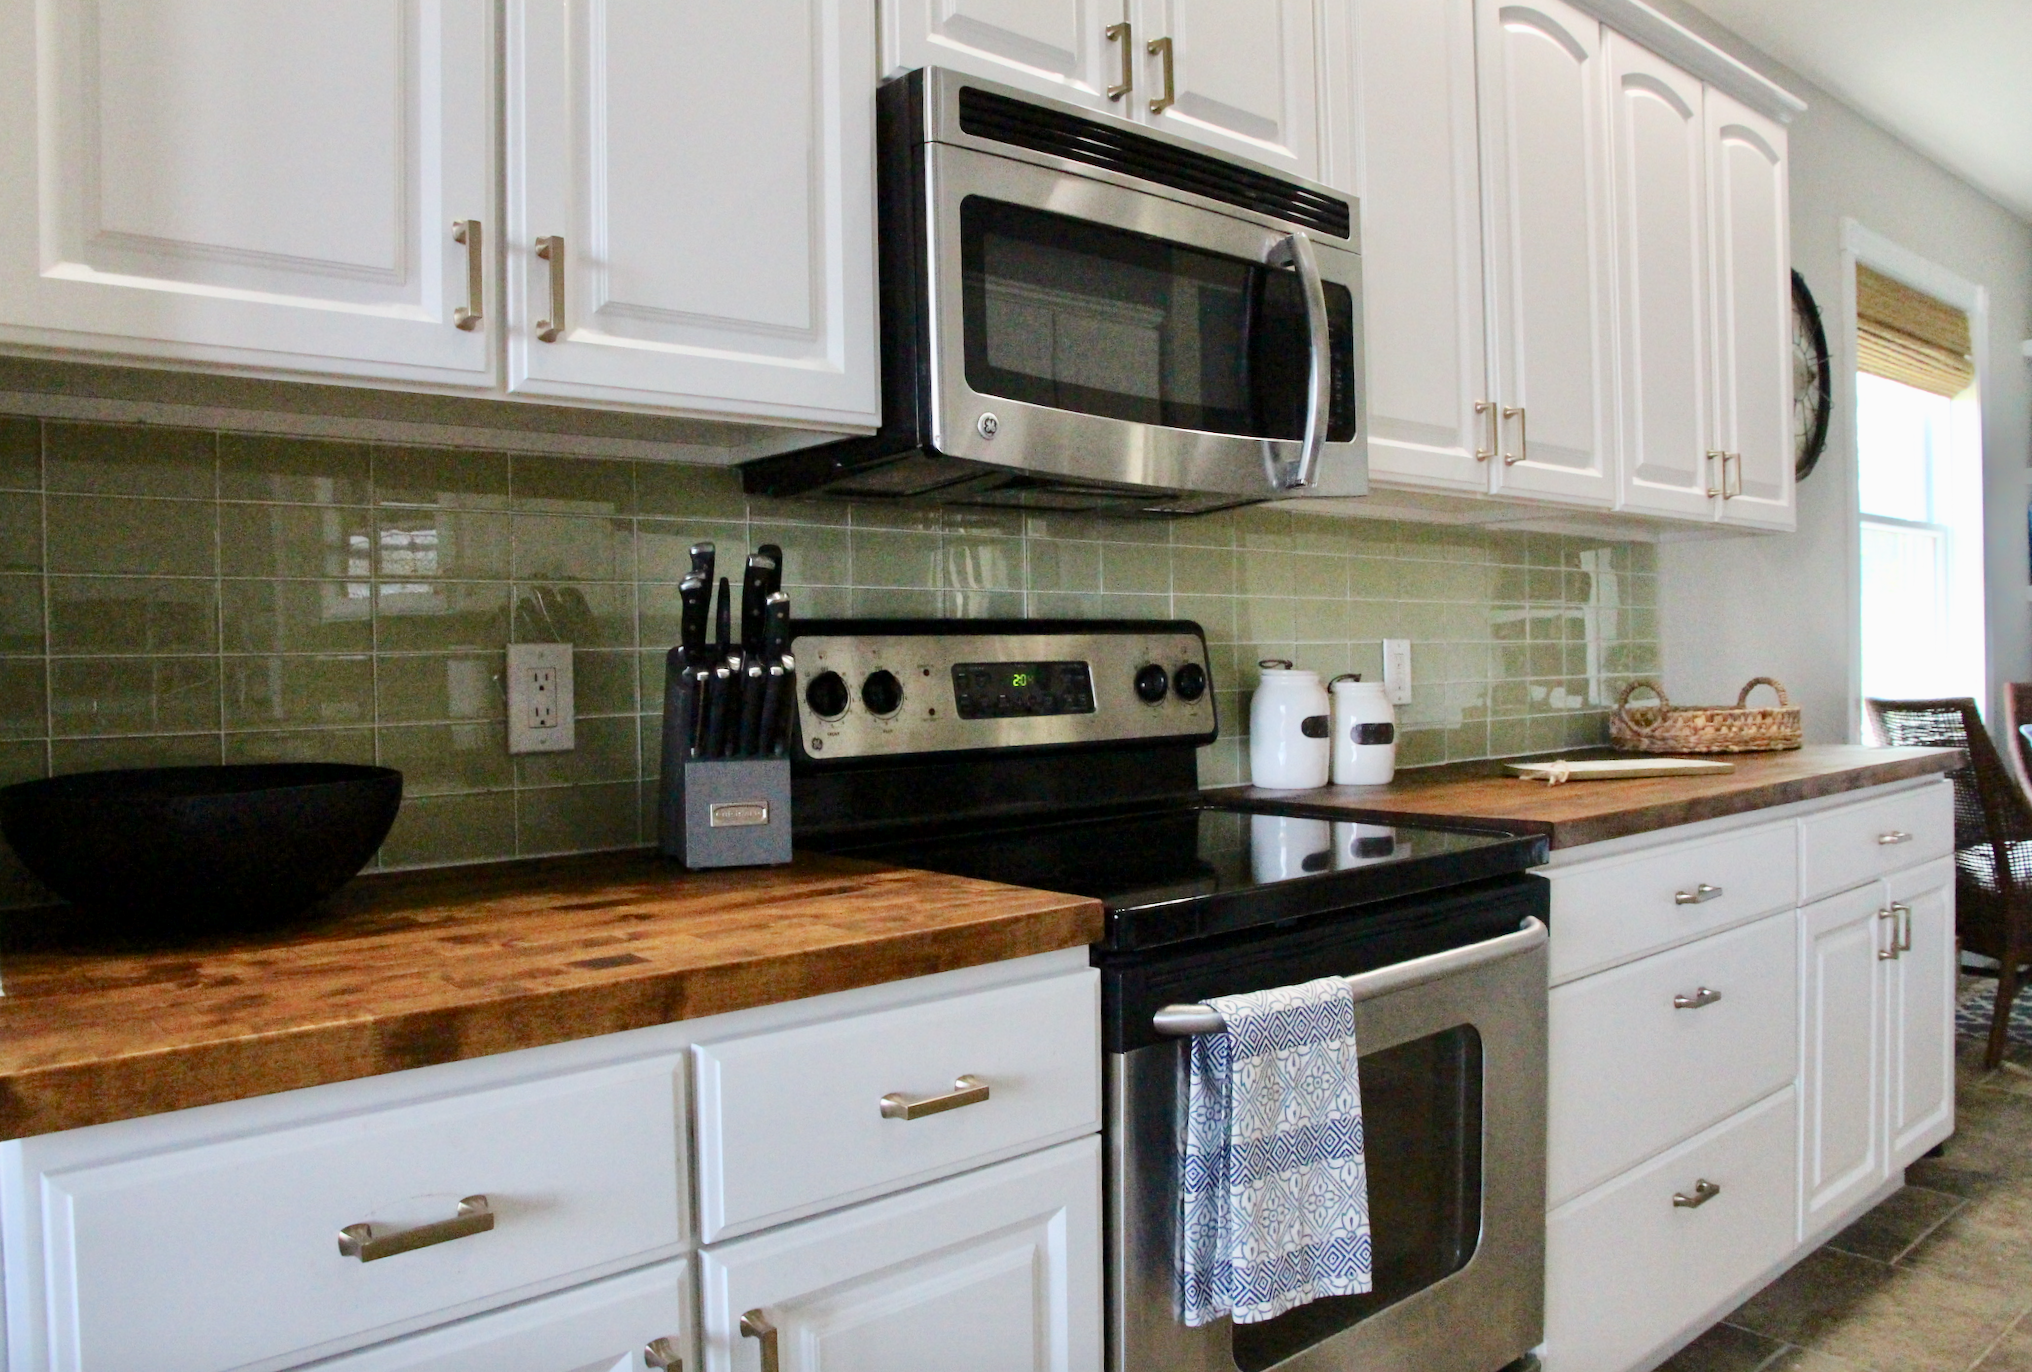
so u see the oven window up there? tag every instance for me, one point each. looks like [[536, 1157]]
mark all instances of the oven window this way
[[1422, 1127], [1072, 315]]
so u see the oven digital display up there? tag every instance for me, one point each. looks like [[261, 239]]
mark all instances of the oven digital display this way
[[1007, 690]]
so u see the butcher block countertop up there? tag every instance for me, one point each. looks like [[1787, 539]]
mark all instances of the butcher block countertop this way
[[1482, 795], [412, 969]]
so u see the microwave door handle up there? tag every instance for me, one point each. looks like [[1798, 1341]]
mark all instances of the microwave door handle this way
[[1296, 250]]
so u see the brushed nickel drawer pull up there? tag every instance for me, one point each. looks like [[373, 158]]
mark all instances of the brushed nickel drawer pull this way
[[467, 231], [663, 1353], [966, 1091], [755, 1325], [360, 1241], [1699, 895], [1895, 836], [1703, 1192], [551, 250], [1702, 997]]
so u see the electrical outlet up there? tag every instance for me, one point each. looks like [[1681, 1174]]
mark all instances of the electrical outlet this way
[[540, 708], [1397, 670]]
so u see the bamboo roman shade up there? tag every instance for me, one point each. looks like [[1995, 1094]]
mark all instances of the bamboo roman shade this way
[[1909, 336]]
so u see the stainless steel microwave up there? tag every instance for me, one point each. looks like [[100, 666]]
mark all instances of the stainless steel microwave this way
[[1080, 315]]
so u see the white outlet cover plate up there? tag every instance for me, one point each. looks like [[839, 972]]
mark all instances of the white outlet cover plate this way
[[1397, 670], [528, 665]]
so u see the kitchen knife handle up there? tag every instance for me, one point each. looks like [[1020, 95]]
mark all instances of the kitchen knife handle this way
[[726, 616], [752, 690], [772, 705], [716, 709]]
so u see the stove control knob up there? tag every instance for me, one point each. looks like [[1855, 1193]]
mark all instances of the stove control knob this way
[[1189, 681], [882, 692], [827, 695], [1152, 684]]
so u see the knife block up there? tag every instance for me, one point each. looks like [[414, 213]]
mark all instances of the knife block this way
[[726, 812]]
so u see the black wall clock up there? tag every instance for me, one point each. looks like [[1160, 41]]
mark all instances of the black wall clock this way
[[1812, 393]]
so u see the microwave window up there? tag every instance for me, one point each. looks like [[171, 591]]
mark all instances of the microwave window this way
[[1071, 315]]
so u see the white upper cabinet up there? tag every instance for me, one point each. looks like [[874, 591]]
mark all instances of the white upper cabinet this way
[[1241, 76], [1418, 177], [1071, 50], [271, 187], [1749, 224], [1659, 171], [691, 205], [1545, 169]]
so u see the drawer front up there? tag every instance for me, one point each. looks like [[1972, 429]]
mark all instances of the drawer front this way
[[1611, 912], [227, 1255], [1628, 1271], [603, 1324], [1632, 1072], [792, 1122], [1842, 848]]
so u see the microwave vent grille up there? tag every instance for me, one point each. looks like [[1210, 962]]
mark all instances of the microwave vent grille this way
[[985, 114]]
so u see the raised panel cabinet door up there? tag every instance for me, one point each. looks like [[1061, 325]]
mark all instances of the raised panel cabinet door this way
[[1419, 179], [1842, 1051], [691, 206], [1545, 178], [1070, 50], [1243, 76], [1920, 996], [270, 188], [1658, 172], [997, 1270], [1750, 230]]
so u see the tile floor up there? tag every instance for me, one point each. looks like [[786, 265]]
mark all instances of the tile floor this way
[[1936, 1279]]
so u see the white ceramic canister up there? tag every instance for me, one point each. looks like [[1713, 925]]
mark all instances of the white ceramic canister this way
[[1364, 733], [1289, 720]]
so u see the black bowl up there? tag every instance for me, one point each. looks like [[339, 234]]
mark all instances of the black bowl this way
[[171, 850]]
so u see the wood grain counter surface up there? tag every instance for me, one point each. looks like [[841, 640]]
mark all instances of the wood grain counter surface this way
[[408, 970], [1483, 795]]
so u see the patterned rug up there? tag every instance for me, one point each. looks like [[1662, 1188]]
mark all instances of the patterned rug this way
[[1979, 999]]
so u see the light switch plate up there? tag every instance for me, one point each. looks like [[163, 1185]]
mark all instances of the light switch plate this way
[[540, 705], [1397, 670]]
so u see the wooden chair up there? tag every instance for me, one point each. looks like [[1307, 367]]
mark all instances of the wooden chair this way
[[1992, 840], [2018, 714]]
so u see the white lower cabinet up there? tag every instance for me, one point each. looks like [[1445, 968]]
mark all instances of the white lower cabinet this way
[[996, 1270], [1728, 1084]]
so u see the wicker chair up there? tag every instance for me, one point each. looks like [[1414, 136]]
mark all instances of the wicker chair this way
[[2018, 714], [1992, 841]]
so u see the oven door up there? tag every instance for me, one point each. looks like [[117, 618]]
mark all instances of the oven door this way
[[1083, 327], [1453, 1106]]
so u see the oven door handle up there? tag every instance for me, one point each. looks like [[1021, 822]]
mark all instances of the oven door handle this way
[[1295, 249], [1184, 1021]]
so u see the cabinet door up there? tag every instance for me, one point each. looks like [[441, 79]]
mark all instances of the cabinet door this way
[[1546, 185], [709, 169], [1842, 1143], [268, 187], [1920, 1019], [1244, 76], [996, 1270], [1418, 176], [1658, 171], [1058, 48], [1749, 224]]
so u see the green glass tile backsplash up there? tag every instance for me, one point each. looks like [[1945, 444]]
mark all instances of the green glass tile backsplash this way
[[177, 595]]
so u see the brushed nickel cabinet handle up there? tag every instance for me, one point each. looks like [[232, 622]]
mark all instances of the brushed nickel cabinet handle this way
[[755, 1325], [1699, 895], [1888, 954], [360, 1241], [551, 250], [1903, 926], [1702, 997], [467, 231], [966, 1091], [1895, 836], [1730, 492], [1119, 33], [1703, 1192], [1161, 47], [1713, 454], [1493, 425], [663, 1353], [1523, 435]]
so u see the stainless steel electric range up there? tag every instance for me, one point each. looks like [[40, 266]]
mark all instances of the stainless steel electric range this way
[[1063, 755]]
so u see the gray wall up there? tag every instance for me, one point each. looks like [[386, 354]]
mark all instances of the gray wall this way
[[1779, 605]]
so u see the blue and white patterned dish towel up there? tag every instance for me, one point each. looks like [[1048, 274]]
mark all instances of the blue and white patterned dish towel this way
[[1273, 1180]]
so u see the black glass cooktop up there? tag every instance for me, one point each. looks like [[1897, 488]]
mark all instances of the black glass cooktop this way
[[1193, 870]]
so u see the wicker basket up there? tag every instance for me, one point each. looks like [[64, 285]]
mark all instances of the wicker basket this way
[[1738, 728]]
